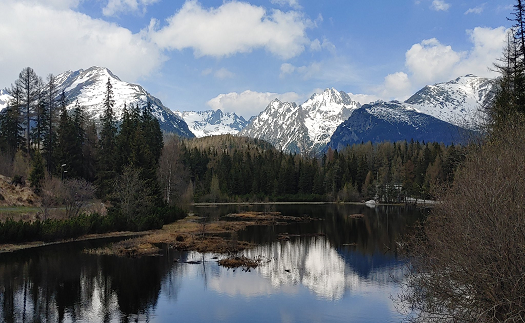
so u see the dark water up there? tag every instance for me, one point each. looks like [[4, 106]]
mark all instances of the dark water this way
[[337, 269]]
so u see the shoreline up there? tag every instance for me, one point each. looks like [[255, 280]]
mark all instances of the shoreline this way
[[11, 247]]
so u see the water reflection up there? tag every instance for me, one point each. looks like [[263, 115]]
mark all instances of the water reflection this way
[[327, 277], [61, 284]]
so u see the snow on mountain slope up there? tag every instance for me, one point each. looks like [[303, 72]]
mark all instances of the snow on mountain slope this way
[[211, 123], [459, 101], [394, 121], [302, 129]]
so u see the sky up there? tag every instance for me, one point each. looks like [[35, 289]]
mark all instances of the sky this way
[[237, 56]]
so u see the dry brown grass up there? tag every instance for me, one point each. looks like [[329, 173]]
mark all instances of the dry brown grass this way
[[188, 234], [267, 218], [236, 262], [16, 195]]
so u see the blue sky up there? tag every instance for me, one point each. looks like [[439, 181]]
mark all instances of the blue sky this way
[[239, 55]]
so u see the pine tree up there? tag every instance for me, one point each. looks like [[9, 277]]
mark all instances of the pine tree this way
[[89, 151]]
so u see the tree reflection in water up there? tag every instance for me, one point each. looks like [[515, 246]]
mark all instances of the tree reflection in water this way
[[57, 284]]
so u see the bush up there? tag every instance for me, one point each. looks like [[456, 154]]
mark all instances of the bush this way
[[53, 230]]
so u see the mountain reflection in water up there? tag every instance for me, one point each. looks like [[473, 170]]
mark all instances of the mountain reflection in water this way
[[347, 273]]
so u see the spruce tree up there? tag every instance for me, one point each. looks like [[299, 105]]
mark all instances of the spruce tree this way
[[11, 131], [38, 173], [107, 145]]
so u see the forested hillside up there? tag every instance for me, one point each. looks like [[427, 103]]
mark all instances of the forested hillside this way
[[228, 168]]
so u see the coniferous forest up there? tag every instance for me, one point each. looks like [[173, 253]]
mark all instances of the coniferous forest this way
[[227, 168]]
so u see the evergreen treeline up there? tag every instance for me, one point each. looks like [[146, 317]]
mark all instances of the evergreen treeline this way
[[229, 168]]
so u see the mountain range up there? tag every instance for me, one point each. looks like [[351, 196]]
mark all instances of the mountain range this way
[[394, 121], [306, 128], [444, 112]]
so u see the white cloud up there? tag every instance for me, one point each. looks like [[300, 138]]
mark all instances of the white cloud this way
[[234, 27], [488, 47], [223, 73], [440, 5], [306, 72], [31, 36], [248, 103], [286, 69], [315, 45], [477, 10], [114, 7], [291, 3], [207, 71], [364, 98], [397, 86], [54, 4], [430, 60]]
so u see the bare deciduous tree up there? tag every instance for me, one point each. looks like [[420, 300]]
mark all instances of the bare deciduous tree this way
[[468, 262], [75, 194], [50, 195], [132, 194], [173, 177]]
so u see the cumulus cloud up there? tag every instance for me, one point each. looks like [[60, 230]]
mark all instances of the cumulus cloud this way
[[114, 7], [397, 86], [248, 103], [440, 5], [234, 27], [32, 37], [430, 60], [488, 47]]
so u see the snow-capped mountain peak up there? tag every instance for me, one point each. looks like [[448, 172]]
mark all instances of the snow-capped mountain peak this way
[[305, 128], [210, 122], [459, 101]]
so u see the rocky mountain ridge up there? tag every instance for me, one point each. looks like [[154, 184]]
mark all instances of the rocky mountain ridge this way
[[304, 128]]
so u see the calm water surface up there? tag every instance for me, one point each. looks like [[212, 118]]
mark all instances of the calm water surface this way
[[348, 274]]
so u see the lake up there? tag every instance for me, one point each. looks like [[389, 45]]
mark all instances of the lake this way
[[341, 268]]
